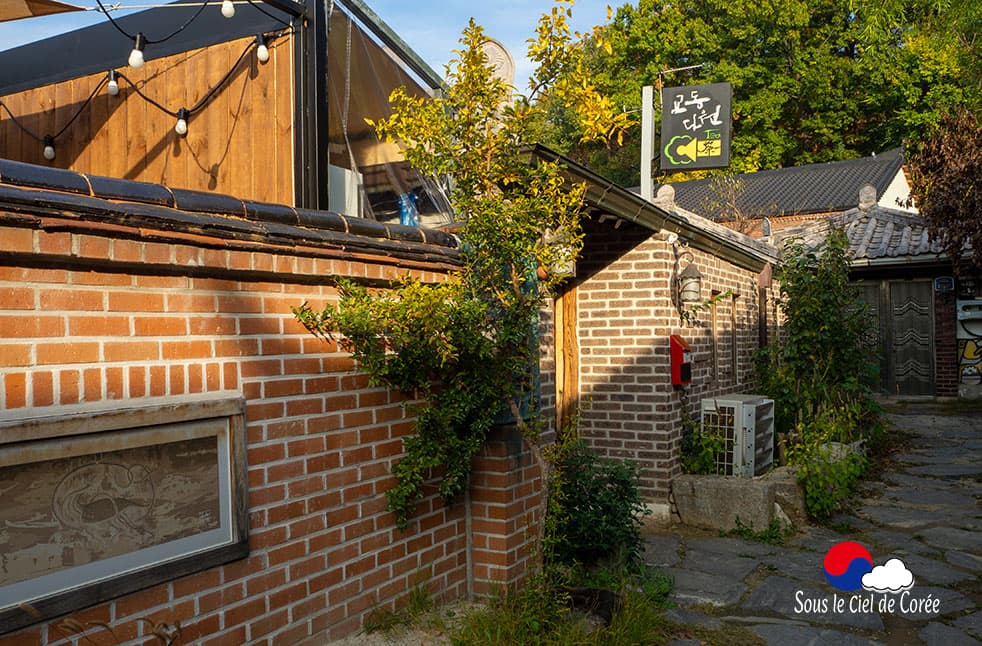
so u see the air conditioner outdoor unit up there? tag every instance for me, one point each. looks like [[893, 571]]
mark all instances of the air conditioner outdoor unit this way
[[746, 425]]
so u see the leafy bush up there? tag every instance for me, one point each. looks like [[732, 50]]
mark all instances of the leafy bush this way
[[699, 450], [828, 478], [597, 509], [820, 371]]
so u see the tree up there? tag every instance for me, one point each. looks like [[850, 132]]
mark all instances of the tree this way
[[946, 184], [467, 347], [813, 80]]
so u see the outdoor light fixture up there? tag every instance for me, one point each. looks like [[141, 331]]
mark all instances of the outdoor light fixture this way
[[113, 86], [49, 147], [136, 56], [181, 127], [690, 283], [228, 9], [262, 51]]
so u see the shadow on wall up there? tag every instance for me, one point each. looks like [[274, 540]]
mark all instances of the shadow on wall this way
[[625, 316]]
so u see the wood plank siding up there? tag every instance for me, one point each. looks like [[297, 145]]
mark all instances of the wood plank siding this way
[[241, 143]]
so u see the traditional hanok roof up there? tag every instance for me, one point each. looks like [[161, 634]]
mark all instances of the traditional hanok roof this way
[[41, 197], [604, 196], [877, 236], [814, 188]]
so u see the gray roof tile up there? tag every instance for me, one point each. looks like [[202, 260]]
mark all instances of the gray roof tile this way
[[873, 234]]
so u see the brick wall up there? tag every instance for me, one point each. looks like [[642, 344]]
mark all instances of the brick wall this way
[[92, 313], [629, 409]]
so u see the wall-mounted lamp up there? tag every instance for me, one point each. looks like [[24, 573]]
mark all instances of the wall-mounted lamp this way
[[690, 283]]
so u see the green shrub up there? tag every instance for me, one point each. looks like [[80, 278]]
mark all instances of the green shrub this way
[[597, 508], [828, 479], [700, 449]]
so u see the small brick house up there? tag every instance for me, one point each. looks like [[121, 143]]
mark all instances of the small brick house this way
[[613, 321]]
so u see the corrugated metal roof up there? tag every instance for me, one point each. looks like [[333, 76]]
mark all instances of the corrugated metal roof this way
[[813, 188]]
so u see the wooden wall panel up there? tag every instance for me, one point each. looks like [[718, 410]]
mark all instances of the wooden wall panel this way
[[240, 143]]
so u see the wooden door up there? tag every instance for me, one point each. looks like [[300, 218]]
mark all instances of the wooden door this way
[[911, 330]]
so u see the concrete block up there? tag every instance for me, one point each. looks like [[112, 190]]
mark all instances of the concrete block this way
[[715, 502], [789, 493]]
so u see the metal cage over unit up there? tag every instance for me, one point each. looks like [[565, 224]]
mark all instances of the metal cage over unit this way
[[746, 425]]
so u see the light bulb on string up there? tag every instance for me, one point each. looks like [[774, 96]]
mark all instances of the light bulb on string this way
[[181, 127], [228, 9], [262, 51], [113, 86], [136, 56], [49, 147]]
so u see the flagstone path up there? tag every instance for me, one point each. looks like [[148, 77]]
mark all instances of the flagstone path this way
[[925, 509]]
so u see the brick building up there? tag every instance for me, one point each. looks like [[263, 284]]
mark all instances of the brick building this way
[[148, 350], [614, 320]]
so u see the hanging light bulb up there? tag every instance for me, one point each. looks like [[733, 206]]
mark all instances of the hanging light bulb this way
[[228, 9], [113, 86], [262, 51], [49, 147], [181, 127], [136, 56]]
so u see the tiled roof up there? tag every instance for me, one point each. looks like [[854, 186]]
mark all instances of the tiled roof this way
[[144, 208], [814, 188], [874, 234]]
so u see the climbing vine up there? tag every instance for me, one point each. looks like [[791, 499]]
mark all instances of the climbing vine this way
[[467, 348]]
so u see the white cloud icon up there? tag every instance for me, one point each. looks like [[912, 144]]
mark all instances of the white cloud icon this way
[[893, 576]]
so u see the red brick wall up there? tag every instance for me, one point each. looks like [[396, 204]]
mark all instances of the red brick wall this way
[[87, 318], [629, 409]]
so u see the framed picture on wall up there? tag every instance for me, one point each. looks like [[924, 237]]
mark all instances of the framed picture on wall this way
[[99, 503]]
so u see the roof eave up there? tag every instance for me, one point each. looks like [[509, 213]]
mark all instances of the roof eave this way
[[702, 233]]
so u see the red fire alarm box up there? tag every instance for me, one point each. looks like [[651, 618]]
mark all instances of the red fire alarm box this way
[[681, 361]]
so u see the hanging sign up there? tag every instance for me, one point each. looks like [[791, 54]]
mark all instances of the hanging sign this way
[[695, 127]]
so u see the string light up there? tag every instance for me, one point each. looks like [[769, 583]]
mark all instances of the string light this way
[[228, 9], [181, 127], [111, 81], [112, 87], [262, 51], [136, 56]]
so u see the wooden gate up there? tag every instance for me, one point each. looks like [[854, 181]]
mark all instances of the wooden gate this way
[[902, 313], [911, 356]]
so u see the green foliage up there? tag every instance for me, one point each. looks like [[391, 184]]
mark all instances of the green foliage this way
[[418, 603], [426, 340], [774, 534], [946, 183], [828, 478], [597, 507], [813, 80], [700, 448], [539, 615], [818, 373], [824, 359], [467, 348]]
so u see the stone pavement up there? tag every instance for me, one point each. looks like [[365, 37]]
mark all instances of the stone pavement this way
[[924, 509]]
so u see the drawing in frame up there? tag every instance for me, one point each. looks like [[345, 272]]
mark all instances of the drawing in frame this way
[[99, 503]]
